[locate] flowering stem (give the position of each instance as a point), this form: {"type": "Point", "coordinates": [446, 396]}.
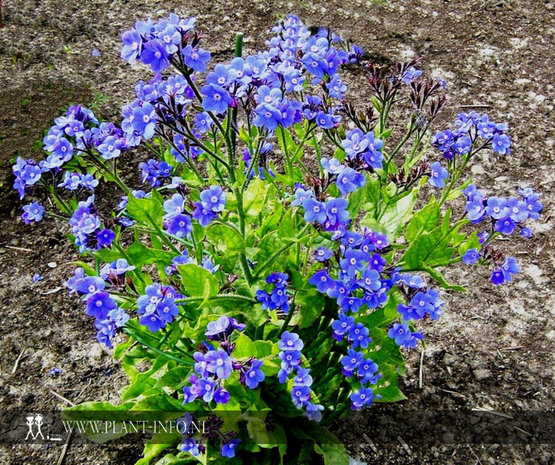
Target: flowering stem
{"type": "Point", "coordinates": [58, 200]}
{"type": "Point", "coordinates": [277, 253]}
{"type": "Point", "coordinates": [167, 355]}
{"type": "Point", "coordinates": [288, 318]}
{"type": "Point", "coordinates": [455, 178]}
{"type": "Point", "coordinates": [242, 298]}
{"type": "Point", "coordinates": [161, 234]}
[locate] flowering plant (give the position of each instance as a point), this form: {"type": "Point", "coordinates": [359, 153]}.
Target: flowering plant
{"type": "Point", "coordinates": [287, 244]}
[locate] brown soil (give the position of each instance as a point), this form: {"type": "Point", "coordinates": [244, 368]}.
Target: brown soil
{"type": "Point", "coordinates": [493, 347]}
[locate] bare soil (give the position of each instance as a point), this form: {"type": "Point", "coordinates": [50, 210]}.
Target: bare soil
{"type": "Point", "coordinates": [493, 347]}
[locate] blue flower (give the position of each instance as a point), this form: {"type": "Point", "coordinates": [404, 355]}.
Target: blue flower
{"type": "Point", "coordinates": [358, 336]}
{"type": "Point", "coordinates": [174, 206]}
{"type": "Point", "coordinates": [190, 445]}
{"type": "Point", "coordinates": [377, 262]}
{"type": "Point", "coordinates": [509, 268]}
{"type": "Point", "coordinates": [351, 361]}
{"type": "Point", "coordinates": [152, 321]}
{"type": "Point", "coordinates": [366, 372]}
{"type": "Point", "coordinates": [179, 225]}
{"type": "Point", "coordinates": [300, 395]}
{"type": "Point", "coordinates": [497, 208]}
{"type": "Point", "coordinates": [254, 375]}
{"type": "Point", "coordinates": [505, 226]}
{"type": "Point", "coordinates": [301, 195]}
{"type": "Point", "coordinates": [336, 212]}
{"type": "Point", "coordinates": [336, 88]}
{"type": "Point", "coordinates": [213, 199]}
{"type": "Point", "coordinates": [228, 449]}
{"type": "Point", "coordinates": [215, 99]}
{"type": "Point", "coordinates": [290, 359]}
{"type": "Point", "coordinates": [105, 237]}
{"type": "Point", "coordinates": [342, 326]}
{"type": "Point", "coordinates": [290, 341]}
{"type": "Point", "coordinates": [314, 211]}
{"type": "Point", "coordinates": [526, 233]}
{"type": "Point", "coordinates": [266, 116]}
{"type": "Point", "coordinates": [144, 120]}
{"type": "Point", "coordinates": [517, 210]}
{"type": "Point", "coordinates": [132, 44]}
{"type": "Point", "coordinates": [167, 310]}
{"type": "Point", "coordinates": [403, 336]}
{"type": "Point", "coordinates": [322, 254]}
{"type": "Point", "coordinates": [32, 212]}
{"type": "Point", "coordinates": [533, 205]}
{"type": "Point", "coordinates": [99, 304]}
{"type": "Point", "coordinates": [362, 398]}
{"type": "Point", "coordinates": [470, 257]}
{"type": "Point", "coordinates": [302, 378]}
{"type": "Point", "coordinates": [119, 317]}
{"type": "Point", "coordinates": [501, 143]}
{"type": "Point", "coordinates": [438, 175]}
{"type": "Point", "coordinates": [322, 280]}
{"type": "Point", "coordinates": [353, 261]}
{"type": "Point", "coordinates": [410, 75]}
{"type": "Point", "coordinates": [313, 412]}
{"type": "Point", "coordinates": [154, 54]}
{"type": "Point", "coordinates": [221, 396]}
{"type": "Point", "coordinates": [349, 180]}
{"type": "Point", "coordinates": [219, 363]}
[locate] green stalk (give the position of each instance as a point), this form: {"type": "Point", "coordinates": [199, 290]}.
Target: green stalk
{"type": "Point", "coordinates": [238, 297]}
{"type": "Point", "coordinates": [167, 355]}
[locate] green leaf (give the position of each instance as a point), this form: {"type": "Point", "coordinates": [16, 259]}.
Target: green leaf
{"type": "Point", "coordinates": [121, 348]}
{"type": "Point", "coordinates": [141, 255]}
{"type": "Point", "coordinates": [175, 378]}
{"type": "Point", "coordinates": [398, 214]}
{"type": "Point", "coordinates": [423, 221]}
{"type": "Point", "coordinates": [245, 348]}
{"type": "Point", "coordinates": [255, 197]}
{"type": "Point", "coordinates": [107, 255]}
{"type": "Point", "coordinates": [152, 451]}
{"type": "Point", "coordinates": [146, 209]}
{"type": "Point", "coordinates": [311, 304]}
{"type": "Point", "coordinates": [471, 243]}
{"type": "Point", "coordinates": [197, 281]}
{"type": "Point", "coordinates": [427, 248]}
{"type": "Point", "coordinates": [226, 239]}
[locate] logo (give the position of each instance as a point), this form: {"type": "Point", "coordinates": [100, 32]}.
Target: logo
{"type": "Point", "coordinates": [32, 421]}
{"type": "Point", "coordinates": [35, 422]}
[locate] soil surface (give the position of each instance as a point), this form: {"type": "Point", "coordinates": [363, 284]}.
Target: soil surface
{"type": "Point", "coordinates": [492, 348]}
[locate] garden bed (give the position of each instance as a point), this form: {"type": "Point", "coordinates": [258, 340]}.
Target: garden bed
{"type": "Point", "coordinates": [492, 346]}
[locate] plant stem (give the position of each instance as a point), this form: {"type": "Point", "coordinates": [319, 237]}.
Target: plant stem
{"type": "Point", "coordinates": [167, 355]}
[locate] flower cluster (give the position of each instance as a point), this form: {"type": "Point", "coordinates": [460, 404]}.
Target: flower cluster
{"type": "Point", "coordinates": [363, 149]}
{"type": "Point", "coordinates": [290, 346]}
{"type": "Point", "coordinates": [358, 282]}
{"type": "Point", "coordinates": [278, 298]}
{"type": "Point", "coordinates": [74, 181]}
{"type": "Point", "coordinates": [179, 223]}
{"type": "Point", "coordinates": [155, 172]}
{"type": "Point", "coordinates": [108, 316]}
{"type": "Point", "coordinates": [155, 44]}
{"type": "Point", "coordinates": [215, 364]}
{"type": "Point", "coordinates": [331, 214]}
{"type": "Point", "coordinates": [76, 133]}
{"type": "Point", "coordinates": [506, 214]}
{"type": "Point", "coordinates": [86, 226]}
{"type": "Point", "coordinates": [157, 306]}
{"type": "Point", "coordinates": [474, 131]}
{"type": "Point", "coordinates": [366, 372]}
